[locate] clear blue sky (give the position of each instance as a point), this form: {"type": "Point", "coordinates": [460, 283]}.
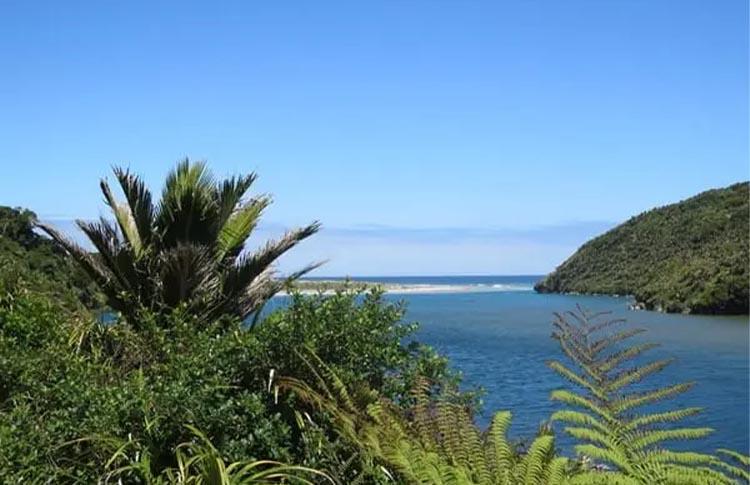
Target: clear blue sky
{"type": "Point", "coordinates": [428, 137]}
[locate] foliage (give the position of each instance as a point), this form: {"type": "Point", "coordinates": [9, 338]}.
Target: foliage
{"type": "Point", "coordinates": [687, 257]}
{"type": "Point", "coordinates": [360, 335]}
{"type": "Point", "coordinates": [65, 376]}
{"type": "Point", "coordinates": [83, 401]}
{"type": "Point", "coordinates": [605, 417]}
{"type": "Point", "coordinates": [434, 441]}
{"type": "Point", "coordinates": [362, 338]}
{"type": "Point", "coordinates": [111, 382]}
{"type": "Point", "coordinates": [736, 465]}
{"type": "Point", "coordinates": [198, 462]}
{"type": "Point", "coordinates": [30, 257]}
{"type": "Point", "coordinates": [184, 251]}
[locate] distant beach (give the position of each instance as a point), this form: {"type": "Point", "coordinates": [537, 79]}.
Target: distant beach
{"type": "Point", "coordinates": [415, 285]}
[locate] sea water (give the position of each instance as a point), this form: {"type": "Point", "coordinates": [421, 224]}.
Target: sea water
{"type": "Point", "coordinates": [497, 331]}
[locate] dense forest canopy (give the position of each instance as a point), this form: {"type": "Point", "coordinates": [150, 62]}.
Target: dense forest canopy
{"type": "Point", "coordinates": [689, 257]}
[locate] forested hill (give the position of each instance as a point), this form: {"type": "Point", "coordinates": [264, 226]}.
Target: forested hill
{"type": "Point", "coordinates": [36, 258]}
{"type": "Point", "coordinates": [689, 257]}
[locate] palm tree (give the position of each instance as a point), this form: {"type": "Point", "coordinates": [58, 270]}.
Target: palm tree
{"type": "Point", "coordinates": [186, 250]}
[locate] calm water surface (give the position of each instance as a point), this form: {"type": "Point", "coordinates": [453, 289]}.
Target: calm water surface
{"type": "Point", "coordinates": [499, 337]}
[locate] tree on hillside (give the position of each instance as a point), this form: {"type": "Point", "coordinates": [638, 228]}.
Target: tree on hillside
{"type": "Point", "coordinates": [32, 258]}
{"type": "Point", "coordinates": [184, 251]}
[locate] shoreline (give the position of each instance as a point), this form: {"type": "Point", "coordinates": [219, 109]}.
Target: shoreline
{"type": "Point", "coordinates": [328, 287]}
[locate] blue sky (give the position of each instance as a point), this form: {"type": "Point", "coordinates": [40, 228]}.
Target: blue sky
{"type": "Point", "coordinates": [429, 137]}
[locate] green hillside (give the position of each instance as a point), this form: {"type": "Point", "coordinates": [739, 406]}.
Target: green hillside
{"type": "Point", "coordinates": [689, 257]}
{"type": "Point", "coordinates": [38, 260]}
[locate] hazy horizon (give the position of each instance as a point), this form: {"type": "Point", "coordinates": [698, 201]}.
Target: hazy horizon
{"type": "Point", "coordinates": [420, 252]}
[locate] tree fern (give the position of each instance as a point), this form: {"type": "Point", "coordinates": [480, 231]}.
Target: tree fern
{"type": "Point", "coordinates": [738, 465]}
{"type": "Point", "coordinates": [435, 440]}
{"type": "Point", "coordinates": [605, 418]}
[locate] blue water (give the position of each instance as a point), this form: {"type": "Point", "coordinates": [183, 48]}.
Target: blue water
{"type": "Point", "coordinates": [500, 340]}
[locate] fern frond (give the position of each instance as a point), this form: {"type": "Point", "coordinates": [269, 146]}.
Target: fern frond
{"type": "Point", "coordinates": [607, 421]}
{"type": "Point", "coordinates": [639, 399]}
{"type": "Point", "coordinates": [679, 457]}
{"type": "Point", "coordinates": [741, 472]}
{"type": "Point", "coordinates": [423, 425]}
{"type": "Point", "coordinates": [504, 455]}
{"type": "Point", "coordinates": [685, 475]}
{"type": "Point", "coordinates": [579, 418]}
{"type": "Point", "coordinates": [664, 417]}
{"type": "Point", "coordinates": [605, 323]}
{"type": "Point", "coordinates": [557, 471]}
{"type": "Point", "coordinates": [578, 354]}
{"type": "Point", "coordinates": [628, 353]}
{"type": "Point", "coordinates": [610, 340]}
{"type": "Point", "coordinates": [636, 374]}
{"type": "Point", "coordinates": [615, 457]}
{"type": "Point", "coordinates": [573, 399]}
{"type": "Point", "coordinates": [743, 459]}
{"type": "Point", "coordinates": [576, 379]}
{"type": "Point", "coordinates": [593, 436]}
{"type": "Point", "coordinates": [537, 459]}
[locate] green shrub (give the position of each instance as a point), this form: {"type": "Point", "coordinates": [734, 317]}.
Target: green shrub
{"type": "Point", "coordinates": [360, 335]}
{"type": "Point", "coordinates": [54, 394]}
{"type": "Point", "coordinates": [70, 386]}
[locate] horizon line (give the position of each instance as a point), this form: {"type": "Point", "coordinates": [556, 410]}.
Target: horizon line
{"type": "Point", "coordinates": [469, 275]}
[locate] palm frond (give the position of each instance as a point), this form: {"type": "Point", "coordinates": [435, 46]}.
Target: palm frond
{"type": "Point", "coordinates": [91, 263]}
{"type": "Point", "coordinates": [230, 193]}
{"type": "Point", "coordinates": [139, 201]}
{"type": "Point", "coordinates": [185, 251]}
{"type": "Point", "coordinates": [238, 227]}
{"type": "Point", "coordinates": [266, 256]}
{"type": "Point", "coordinates": [188, 275]}
{"type": "Point", "coordinates": [103, 235]}
{"type": "Point", "coordinates": [124, 218]}
{"type": "Point", "coordinates": [187, 210]}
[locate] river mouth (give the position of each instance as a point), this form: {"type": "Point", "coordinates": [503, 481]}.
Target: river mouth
{"type": "Point", "coordinates": [501, 341]}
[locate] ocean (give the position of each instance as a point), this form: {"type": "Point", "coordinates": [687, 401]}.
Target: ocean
{"type": "Point", "coordinates": [496, 331]}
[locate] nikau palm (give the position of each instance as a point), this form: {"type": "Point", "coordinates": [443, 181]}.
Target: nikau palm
{"type": "Point", "coordinates": [184, 251]}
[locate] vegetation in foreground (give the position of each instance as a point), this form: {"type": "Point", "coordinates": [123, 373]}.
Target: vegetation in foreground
{"type": "Point", "coordinates": [434, 439]}
{"type": "Point", "coordinates": [690, 257]}
{"type": "Point", "coordinates": [82, 400]}
{"type": "Point", "coordinates": [186, 251]}
{"type": "Point", "coordinates": [23, 251]}
{"type": "Point", "coordinates": [327, 389]}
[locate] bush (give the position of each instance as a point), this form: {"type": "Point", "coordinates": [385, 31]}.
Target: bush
{"type": "Point", "coordinates": [359, 335]}
{"type": "Point", "coordinates": [63, 405]}
{"type": "Point", "coordinates": [72, 388]}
